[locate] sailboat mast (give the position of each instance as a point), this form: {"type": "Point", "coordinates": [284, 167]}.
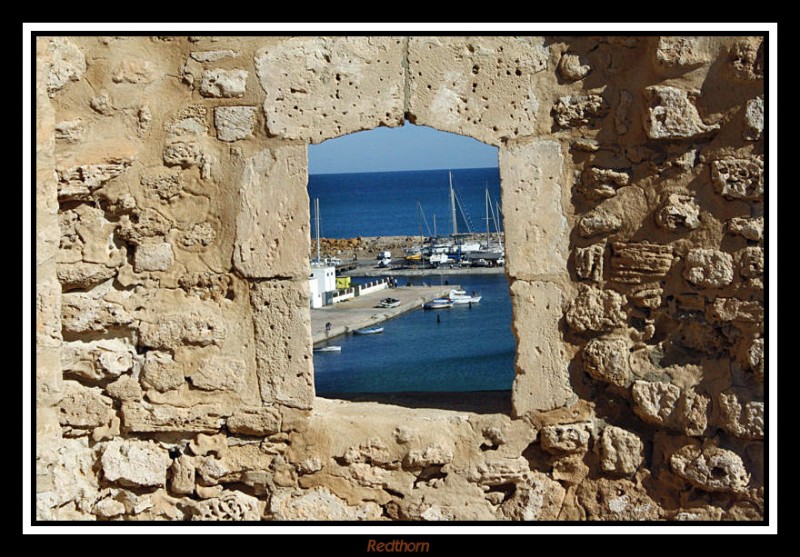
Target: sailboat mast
{"type": "Point", "coordinates": [453, 205]}
{"type": "Point", "coordinates": [316, 211]}
{"type": "Point", "coordinates": [487, 218]}
{"type": "Point", "coordinates": [419, 219]}
{"type": "Point", "coordinates": [435, 234]}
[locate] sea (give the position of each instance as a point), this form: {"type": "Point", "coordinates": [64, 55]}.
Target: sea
{"type": "Point", "coordinates": [465, 348]}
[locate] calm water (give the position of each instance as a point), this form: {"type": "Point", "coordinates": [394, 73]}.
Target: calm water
{"type": "Point", "coordinates": [470, 349]}
{"type": "Point", "coordinates": [385, 203]}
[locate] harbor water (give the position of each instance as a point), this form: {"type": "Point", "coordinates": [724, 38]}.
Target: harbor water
{"type": "Point", "coordinates": [467, 348]}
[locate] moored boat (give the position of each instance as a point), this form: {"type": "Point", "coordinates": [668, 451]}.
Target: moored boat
{"type": "Point", "coordinates": [389, 303]}
{"type": "Point", "coordinates": [368, 331]}
{"type": "Point", "coordinates": [439, 303]}
{"type": "Point", "coordinates": [461, 297]}
{"type": "Point", "coordinates": [328, 349]}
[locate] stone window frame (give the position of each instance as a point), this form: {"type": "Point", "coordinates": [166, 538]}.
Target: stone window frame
{"type": "Point", "coordinates": [272, 257]}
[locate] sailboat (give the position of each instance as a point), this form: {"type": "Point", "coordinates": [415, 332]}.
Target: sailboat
{"type": "Point", "coordinates": [491, 252]}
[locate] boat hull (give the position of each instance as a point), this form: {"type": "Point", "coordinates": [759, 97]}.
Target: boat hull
{"type": "Point", "coordinates": [370, 331]}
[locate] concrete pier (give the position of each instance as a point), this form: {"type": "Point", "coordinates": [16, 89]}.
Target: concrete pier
{"type": "Point", "coordinates": [361, 312]}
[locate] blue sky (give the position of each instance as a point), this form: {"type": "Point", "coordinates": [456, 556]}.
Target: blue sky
{"type": "Point", "coordinates": [408, 147]}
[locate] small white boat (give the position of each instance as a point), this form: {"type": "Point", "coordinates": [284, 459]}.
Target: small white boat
{"type": "Point", "coordinates": [461, 297]}
{"type": "Point", "coordinates": [328, 349]}
{"type": "Point", "coordinates": [389, 303]}
{"type": "Point", "coordinates": [439, 303]}
{"type": "Point", "coordinates": [368, 331]}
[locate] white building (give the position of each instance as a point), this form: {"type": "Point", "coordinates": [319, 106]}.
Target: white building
{"type": "Point", "coordinates": [322, 280]}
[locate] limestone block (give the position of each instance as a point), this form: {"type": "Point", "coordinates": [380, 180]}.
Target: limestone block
{"type": "Point", "coordinates": [182, 475]}
{"type": "Point", "coordinates": [163, 186]}
{"type": "Point", "coordinates": [220, 373]}
{"type": "Point", "coordinates": [160, 372]}
{"type": "Point", "coordinates": [79, 182]}
{"type": "Point", "coordinates": [732, 309]}
{"type": "Point", "coordinates": [755, 358]}
{"type": "Point", "coordinates": [261, 421]}
{"type": "Point", "coordinates": [710, 468]}
{"type": "Point", "coordinates": [602, 183]}
{"type": "Point", "coordinates": [573, 67]}
{"type": "Point", "coordinates": [579, 110]}
{"type": "Point", "coordinates": [223, 83]}
{"type": "Point", "coordinates": [451, 80]}
{"type": "Point", "coordinates": [639, 262]}
{"type": "Point", "coordinates": [648, 295]}
{"type": "Point", "coordinates": [741, 417]}
{"type": "Point", "coordinates": [186, 154]}
{"type": "Point", "coordinates": [134, 71]}
{"type": "Point", "coordinates": [599, 221]}
{"type": "Point", "coordinates": [213, 55]}
{"type": "Point", "coordinates": [655, 402]}
{"type": "Point", "coordinates": [234, 122]}
{"type": "Point", "coordinates": [692, 416]}
{"type": "Point", "coordinates": [373, 452]}
{"type": "Point", "coordinates": [197, 325]}
{"type": "Point", "coordinates": [283, 341]}
{"type": "Point", "coordinates": [621, 451]}
{"type": "Point", "coordinates": [319, 504]}
{"type": "Point", "coordinates": [232, 505]}
{"type": "Point", "coordinates": [566, 438]}
{"type": "Point", "coordinates": [671, 114]}
{"type": "Point", "coordinates": [589, 262]}
{"type": "Point", "coordinates": [746, 59]}
{"type": "Point", "coordinates": [153, 256]}
{"type": "Point", "coordinates": [132, 462]}
{"type": "Point", "coordinates": [751, 262]}
{"type": "Point", "coordinates": [144, 225]}
{"type": "Point", "coordinates": [531, 193]}
{"type": "Point", "coordinates": [622, 116]}
{"type": "Point", "coordinates": [618, 500]}
{"type": "Point", "coordinates": [539, 498]}
{"type": "Point", "coordinates": [749, 228]}
{"type": "Point", "coordinates": [83, 312]}
{"type": "Point", "coordinates": [203, 445]}
{"type": "Point", "coordinates": [272, 227]}
{"type": "Point", "coordinates": [754, 119]}
{"type": "Point", "coordinates": [708, 268]}
{"type": "Point", "coordinates": [144, 117]}
{"type": "Point", "coordinates": [142, 417]}
{"type": "Point", "coordinates": [607, 359]}
{"type": "Point", "coordinates": [65, 480]}
{"type": "Point", "coordinates": [83, 407]}
{"type": "Point", "coordinates": [83, 275]}
{"type": "Point", "coordinates": [101, 104]}
{"type": "Point", "coordinates": [493, 471]}
{"type": "Point", "coordinates": [67, 63]}
{"type": "Point", "coordinates": [737, 178]}
{"type": "Point", "coordinates": [678, 210]}
{"type": "Point", "coordinates": [596, 310]}
{"type": "Point", "coordinates": [322, 87]}
{"type": "Point", "coordinates": [207, 286]}
{"type": "Point", "coordinates": [200, 236]}
{"type": "Point", "coordinates": [125, 388]}
{"type": "Point", "coordinates": [542, 381]}
{"type": "Point", "coordinates": [70, 131]}
{"type": "Point", "coordinates": [432, 455]}
{"type": "Point", "coordinates": [108, 508]}
{"type": "Point", "coordinates": [98, 359]}
{"type": "Point", "coordinates": [681, 52]}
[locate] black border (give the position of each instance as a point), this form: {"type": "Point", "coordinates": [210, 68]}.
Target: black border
{"type": "Point", "coordinates": [351, 539]}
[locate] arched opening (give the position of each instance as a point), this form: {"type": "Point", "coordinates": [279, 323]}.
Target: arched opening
{"type": "Point", "coordinates": [409, 218]}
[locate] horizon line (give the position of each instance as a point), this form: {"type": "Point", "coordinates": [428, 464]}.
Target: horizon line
{"type": "Point", "coordinates": [403, 170]}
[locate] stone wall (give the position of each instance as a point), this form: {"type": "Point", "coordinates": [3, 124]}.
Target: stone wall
{"type": "Point", "coordinates": [174, 374]}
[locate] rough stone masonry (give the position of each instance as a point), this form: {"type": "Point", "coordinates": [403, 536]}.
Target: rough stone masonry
{"type": "Point", "coordinates": [174, 373]}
